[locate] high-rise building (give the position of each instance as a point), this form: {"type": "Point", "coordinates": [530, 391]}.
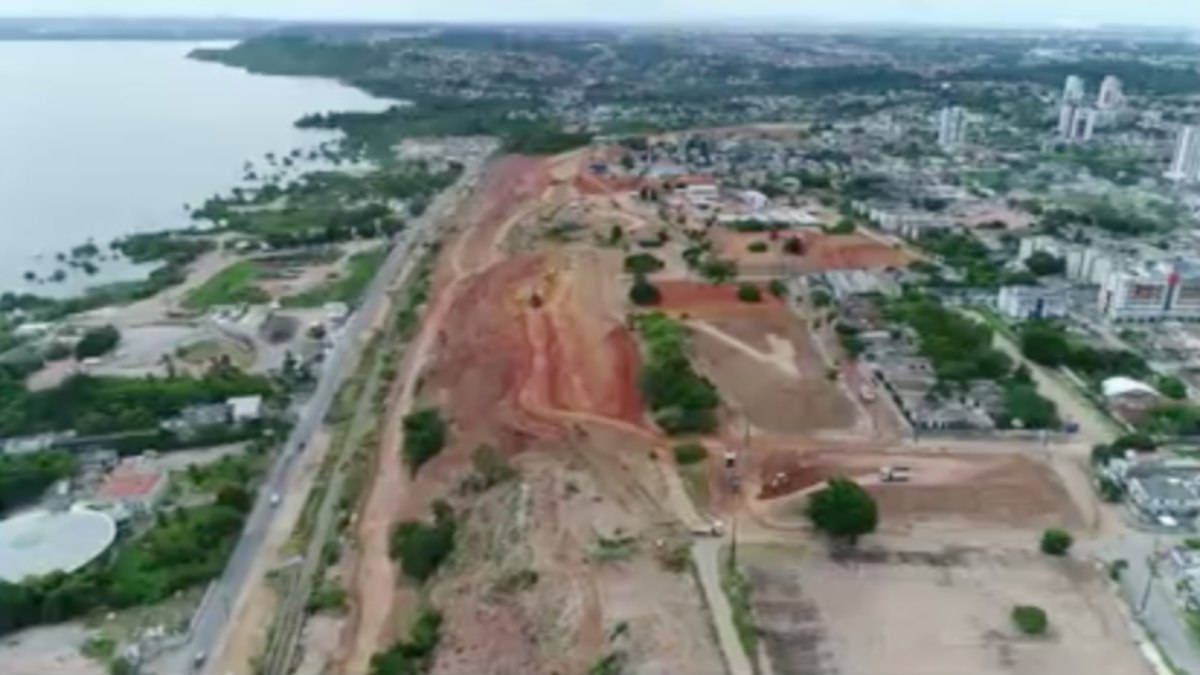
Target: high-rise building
{"type": "Point", "coordinates": [1185, 165]}
{"type": "Point", "coordinates": [1110, 96]}
{"type": "Point", "coordinates": [1076, 124]}
{"type": "Point", "coordinates": [1073, 90]}
{"type": "Point", "coordinates": [952, 126]}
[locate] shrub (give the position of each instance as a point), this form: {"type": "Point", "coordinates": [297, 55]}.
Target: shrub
{"type": "Point", "coordinates": [793, 246]}
{"type": "Point", "coordinates": [778, 288]}
{"type": "Point", "coordinates": [424, 437]}
{"type": "Point", "coordinates": [420, 547]}
{"type": "Point", "coordinates": [642, 263]}
{"type": "Point", "coordinates": [749, 293]}
{"type": "Point", "coordinates": [97, 342]}
{"type": "Point", "coordinates": [1030, 620]}
{"type": "Point", "coordinates": [757, 247]}
{"type": "Point", "coordinates": [1056, 542]}
{"type": "Point", "coordinates": [690, 453]}
{"type": "Point", "coordinates": [643, 293]}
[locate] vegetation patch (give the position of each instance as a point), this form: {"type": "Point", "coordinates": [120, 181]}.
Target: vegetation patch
{"type": "Point", "coordinates": [1056, 542]}
{"type": "Point", "coordinates": [424, 437]}
{"type": "Point", "coordinates": [349, 287]}
{"type": "Point", "coordinates": [690, 453]}
{"type": "Point", "coordinates": [413, 656]}
{"type": "Point", "coordinates": [235, 285]}
{"type": "Point", "coordinates": [682, 400]}
{"type": "Point", "coordinates": [97, 342]}
{"type": "Point", "coordinates": [421, 547]}
{"type": "Point", "coordinates": [738, 591]}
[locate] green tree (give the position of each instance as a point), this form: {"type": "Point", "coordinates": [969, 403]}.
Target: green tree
{"type": "Point", "coordinates": [1030, 620]}
{"type": "Point", "coordinates": [642, 263]}
{"type": "Point", "coordinates": [97, 342]}
{"type": "Point", "coordinates": [749, 293]}
{"type": "Point", "coordinates": [421, 547]}
{"type": "Point", "coordinates": [1056, 542]}
{"type": "Point", "coordinates": [424, 437]}
{"type": "Point", "coordinates": [1172, 387]}
{"type": "Point", "coordinates": [719, 271]}
{"type": "Point", "coordinates": [643, 293]}
{"type": "Point", "coordinates": [1044, 343]}
{"type": "Point", "coordinates": [778, 288]}
{"type": "Point", "coordinates": [843, 510]}
{"type": "Point", "coordinates": [1044, 264]}
{"type": "Point", "coordinates": [793, 246]}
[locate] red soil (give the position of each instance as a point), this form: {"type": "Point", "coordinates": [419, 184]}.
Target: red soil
{"type": "Point", "coordinates": [851, 252]}
{"type": "Point", "coordinates": [513, 371]}
{"type": "Point", "coordinates": [699, 298]}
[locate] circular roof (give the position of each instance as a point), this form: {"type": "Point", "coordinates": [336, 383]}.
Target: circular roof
{"type": "Point", "coordinates": [35, 543]}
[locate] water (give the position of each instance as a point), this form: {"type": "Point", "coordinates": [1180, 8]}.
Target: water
{"type": "Point", "coordinates": [101, 139]}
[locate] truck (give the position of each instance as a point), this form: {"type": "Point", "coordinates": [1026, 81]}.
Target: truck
{"type": "Point", "coordinates": [894, 474]}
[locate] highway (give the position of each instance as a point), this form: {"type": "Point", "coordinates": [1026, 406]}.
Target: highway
{"type": "Point", "coordinates": [215, 612]}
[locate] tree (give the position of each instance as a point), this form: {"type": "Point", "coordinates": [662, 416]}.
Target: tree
{"type": "Point", "coordinates": [1172, 387]}
{"type": "Point", "coordinates": [643, 293]}
{"type": "Point", "coordinates": [690, 453]}
{"type": "Point", "coordinates": [235, 498]}
{"type": "Point", "coordinates": [97, 342]}
{"type": "Point", "coordinates": [778, 288]}
{"type": "Point", "coordinates": [758, 247]}
{"type": "Point", "coordinates": [718, 271]}
{"type": "Point", "coordinates": [1044, 264]}
{"type": "Point", "coordinates": [749, 293]}
{"type": "Point", "coordinates": [424, 437]}
{"type": "Point", "coordinates": [420, 547]}
{"type": "Point", "coordinates": [1044, 343]}
{"type": "Point", "coordinates": [793, 246]}
{"type": "Point", "coordinates": [1056, 542]}
{"type": "Point", "coordinates": [642, 263]}
{"type": "Point", "coordinates": [1030, 620]}
{"type": "Point", "coordinates": [843, 510]}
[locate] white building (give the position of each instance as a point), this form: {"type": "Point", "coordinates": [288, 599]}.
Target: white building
{"type": "Point", "coordinates": [754, 200]}
{"type": "Point", "coordinates": [1110, 97]}
{"type": "Point", "coordinates": [1185, 165]}
{"type": "Point", "coordinates": [952, 127]}
{"type": "Point", "coordinates": [1073, 90]}
{"type": "Point", "coordinates": [1021, 303]}
{"type": "Point", "coordinates": [1156, 291]}
{"type": "Point", "coordinates": [1076, 123]}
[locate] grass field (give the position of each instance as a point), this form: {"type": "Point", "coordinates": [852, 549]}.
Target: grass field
{"type": "Point", "coordinates": [349, 285]}
{"type": "Point", "coordinates": [233, 285]}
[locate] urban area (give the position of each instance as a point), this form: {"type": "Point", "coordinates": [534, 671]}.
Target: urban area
{"type": "Point", "coordinates": [639, 351]}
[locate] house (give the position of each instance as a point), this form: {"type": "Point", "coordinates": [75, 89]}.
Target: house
{"type": "Point", "coordinates": [134, 484]}
{"type": "Point", "coordinates": [244, 409]}
{"type": "Point", "coordinates": [1164, 489]}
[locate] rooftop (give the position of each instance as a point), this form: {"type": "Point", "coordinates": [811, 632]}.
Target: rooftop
{"type": "Point", "coordinates": [130, 480]}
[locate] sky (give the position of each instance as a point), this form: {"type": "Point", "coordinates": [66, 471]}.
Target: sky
{"type": "Point", "coordinates": [1064, 13]}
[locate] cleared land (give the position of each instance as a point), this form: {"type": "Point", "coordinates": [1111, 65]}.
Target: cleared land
{"type": "Point", "coordinates": [822, 252]}
{"type": "Point", "coordinates": [858, 615]}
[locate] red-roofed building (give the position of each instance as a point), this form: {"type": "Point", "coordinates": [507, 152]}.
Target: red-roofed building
{"type": "Point", "coordinates": [134, 484]}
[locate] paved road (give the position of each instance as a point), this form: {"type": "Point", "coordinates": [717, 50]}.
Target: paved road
{"type": "Point", "coordinates": [215, 613]}
{"type": "Point", "coordinates": [1160, 613]}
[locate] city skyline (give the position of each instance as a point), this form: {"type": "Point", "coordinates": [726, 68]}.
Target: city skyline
{"type": "Point", "coordinates": [1018, 13]}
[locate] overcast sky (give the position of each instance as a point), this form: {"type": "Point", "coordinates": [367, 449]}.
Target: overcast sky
{"type": "Point", "coordinates": [974, 12]}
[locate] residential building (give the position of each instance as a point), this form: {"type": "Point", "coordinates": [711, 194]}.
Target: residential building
{"type": "Point", "coordinates": [1185, 165]}
{"type": "Point", "coordinates": [1110, 97]}
{"type": "Point", "coordinates": [1021, 303]}
{"type": "Point", "coordinates": [952, 127]}
{"type": "Point", "coordinates": [1155, 291]}
{"type": "Point", "coordinates": [1073, 90]}
{"type": "Point", "coordinates": [1161, 494]}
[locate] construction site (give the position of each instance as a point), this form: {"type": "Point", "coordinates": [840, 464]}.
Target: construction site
{"type": "Point", "coordinates": [527, 348]}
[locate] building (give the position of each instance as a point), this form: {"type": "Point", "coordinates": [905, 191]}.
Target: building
{"type": "Point", "coordinates": [754, 200]}
{"type": "Point", "coordinates": [134, 484]}
{"type": "Point", "coordinates": [244, 409]}
{"type": "Point", "coordinates": [1160, 493]}
{"type": "Point", "coordinates": [1021, 303]}
{"type": "Point", "coordinates": [952, 127]}
{"type": "Point", "coordinates": [1185, 164]}
{"type": "Point", "coordinates": [1076, 123]}
{"type": "Point", "coordinates": [1110, 97]}
{"type": "Point", "coordinates": [1073, 90]}
{"type": "Point", "coordinates": [1155, 291]}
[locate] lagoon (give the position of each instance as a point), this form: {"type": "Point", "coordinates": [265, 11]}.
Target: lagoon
{"type": "Point", "coordinates": [102, 139]}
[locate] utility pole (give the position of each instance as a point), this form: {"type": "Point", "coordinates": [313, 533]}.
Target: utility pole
{"type": "Point", "coordinates": [1152, 565]}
